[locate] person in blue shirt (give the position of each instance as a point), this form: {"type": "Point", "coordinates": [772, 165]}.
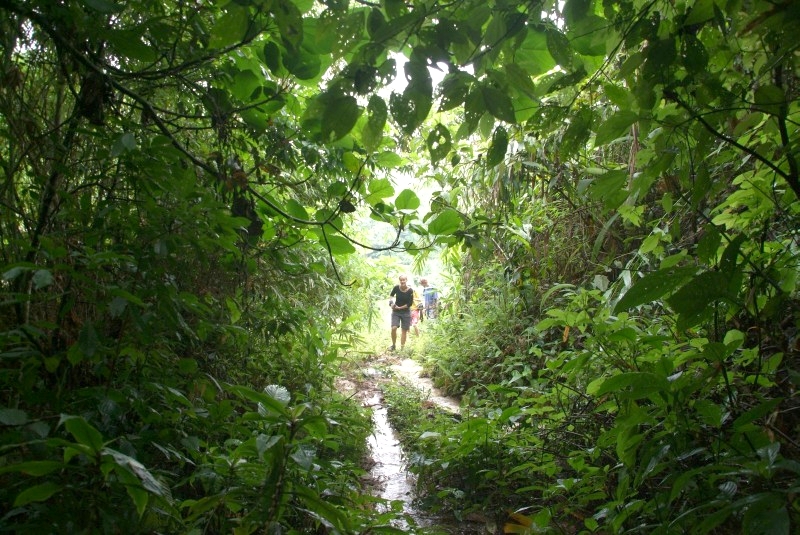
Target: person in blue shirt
{"type": "Point", "coordinates": [430, 298]}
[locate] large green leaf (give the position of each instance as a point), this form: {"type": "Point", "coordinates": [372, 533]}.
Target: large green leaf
{"type": "Point", "coordinates": [615, 127]}
{"type": "Point", "coordinates": [273, 58]}
{"type": "Point", "coordinates": [499, 104]}
{"type": "Point", "coordinates": [445, 223]}
{"type": "Point", "coordinates": [577, 133]}
{"type": "Point", "coordinates": [694, 54]}
{"type": "Point", "coordinates": [589, 34]}
{"type": "Point", "coordinates": [403, 112]}
{"type": "Point", "coordinates": [575, 10]}
{"type": "Point", "coordinates": [296, 210]}
{"type": "Point", "coordinates": [474, 109]}
{"type": "Point", "coordinates": [245, 85]}
{"type": "Point", "coordinates": [630, 385]}
{"type": "Point", "coordinates": [694, 301]}
{"type": "Point", "coordinates": [87, 346]}
{"type": "Point", "coordinates": [453, 89]}
{"type": "Point", "coordinates": [497, 150]}
{"type": "Point", "coordinates": [133, 486]}
{"type": "Point", "coordinates": [37, 493]}
{"type": "Point", "coordinates": [761, 410]}
{"type": "Point", "coordinates": [654, 286]}
{"type": "Point", "coordinates": [407, 200]}
{"type": "Point", "coordinates": [559, 47]}
{"type": "Point", "coordinates": [13, 417]}
{"type": "Point", "coordinates": [104, 6]}
{"type": "Point", "coordinates": [129, 44]}
{"type": "Point", "coordinates": [33, 468]}
{"type": "Point", "coordinates": [609, 188]}
{"type": "Point", "coordinates": [770, 99]}
{"type": "Point", "coordinates": [303, 64]}
{"type": "Point", "coordinates": [701, 11]}
{"type": "Point", "coordinates": [728, 264]}
{"type": "Point", "coordinates": [562, 80]}
{"type": "Point", "coordinates": [389, 159]}
{"type": "Point", "coordinates": [323, 510]}
{"type": "Point", "coordinates": [290, 22]}
{"type": "Point", "coordinates": [83, 432]}
{"type": "Point", "coordinates": [337, 245]}
{"type": "Point", "coordinates": [660, 55]}
{"type": "Point", "coordinates": [339, 117]}
{"type": "Point", "coordinates": [410, 108]}
{"type": "Point", "coordinates": [618, 95]}
{"type": "Point", "coordinates": [534, 55]}
{"type": "Point", "coordinates": [519, 80]}
{"type": "Point", "coordinates": [708, 245]}
{"type": "Point", "coordinates": [630, 65]}
{"type": "Point", "coordinates": [273, 400]}
{"type": "Point", "coordinates": [230, 28]}
{"type": "Point", "coordinates": [769, 518]}
{"type": "Point", "coordinates": [376, 22]}
{"type": "Point", "coordinates": [378, 189]}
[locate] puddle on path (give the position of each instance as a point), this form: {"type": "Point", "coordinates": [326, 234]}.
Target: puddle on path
{"type": "Point", "coordinates": [390, 470]}
{"type": "Point", "coordinates": [396, 483]}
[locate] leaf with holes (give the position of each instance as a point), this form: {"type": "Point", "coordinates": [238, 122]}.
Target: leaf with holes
{"type": "Point", "coordinates": [439, 143]}
{"type": "Point", "coordinates": [372, 133]}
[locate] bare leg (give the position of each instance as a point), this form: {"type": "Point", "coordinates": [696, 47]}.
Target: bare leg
{"type": "Point", "coordinates": [403, 335]}
{"type": "Point", "coordinates": [394, 336]}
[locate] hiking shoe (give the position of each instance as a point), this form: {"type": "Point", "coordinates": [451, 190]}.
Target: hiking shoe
{"type": "Point", "coordinates": [391, 348]}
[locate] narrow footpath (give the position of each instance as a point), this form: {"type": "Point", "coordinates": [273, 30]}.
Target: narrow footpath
{"type": "Point", "coordinates": [388, 473]}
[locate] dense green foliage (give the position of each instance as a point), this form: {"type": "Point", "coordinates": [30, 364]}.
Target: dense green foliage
{"type": "Point", "coordinates": [625, 323]}
{"type": "Point", "coordinates": [168, 343]}
{"type": "Point", "coordinates": [617, 190]}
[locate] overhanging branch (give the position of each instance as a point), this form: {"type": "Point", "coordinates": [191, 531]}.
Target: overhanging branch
{"type": "Point", "coordinates": [790, 178]}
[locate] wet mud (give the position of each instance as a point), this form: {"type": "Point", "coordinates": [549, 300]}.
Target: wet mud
{"type": "Point", "coordinates": [389, 473]}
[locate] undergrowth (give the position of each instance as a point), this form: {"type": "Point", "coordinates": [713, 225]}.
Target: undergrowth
{"type": "Point", "coordinates": [597, 422]}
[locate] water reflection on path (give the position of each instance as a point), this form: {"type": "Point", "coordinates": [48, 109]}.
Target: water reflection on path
{"type": "Point", "coordinates": [389, 470]}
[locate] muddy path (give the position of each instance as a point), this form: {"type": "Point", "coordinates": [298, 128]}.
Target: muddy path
{"type": "Point", "coordinates": [389, 477]}
{"type": "Point", "coordinates": [412, 371]}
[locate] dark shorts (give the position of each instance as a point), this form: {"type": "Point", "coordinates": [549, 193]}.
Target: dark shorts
{"type": "Point", "coordinates": [402, 319]}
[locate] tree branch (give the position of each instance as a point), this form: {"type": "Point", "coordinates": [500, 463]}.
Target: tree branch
{"type": "Point", "coordinates": [792, 180]}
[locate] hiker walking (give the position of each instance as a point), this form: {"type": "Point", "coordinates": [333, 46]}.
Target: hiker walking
{"type": "Point", "coordinates": [430, 298]}
{"type": "Point", "coordinates": [401, 300]}
{"type": "Point", "coordinates": [416, 313]}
